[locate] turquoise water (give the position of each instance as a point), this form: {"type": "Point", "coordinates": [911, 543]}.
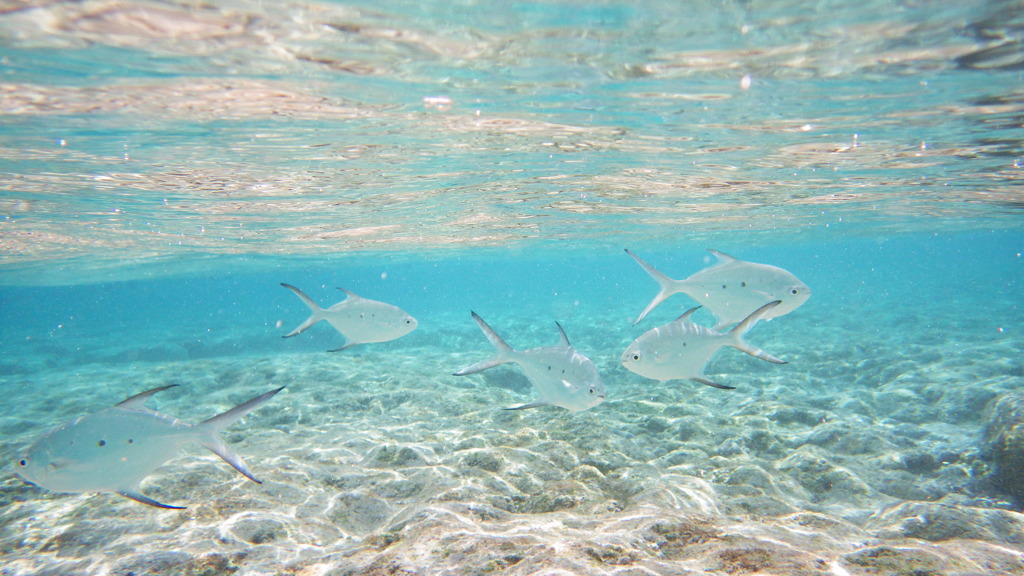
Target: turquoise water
{"type": "Point", "coordinates": [166, 166]}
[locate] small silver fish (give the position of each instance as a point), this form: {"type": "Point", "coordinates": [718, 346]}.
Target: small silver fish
{"type": "Point", "coordinates": [114, 449]}
{"type": "Point", "coordinates": [563, 377]}
{"type": "Point", "coordinates": [360, 320]}
{"type": "Point", "coordinates": [731, 289]}
{"type": "Point", "coordinates": [682, 349]}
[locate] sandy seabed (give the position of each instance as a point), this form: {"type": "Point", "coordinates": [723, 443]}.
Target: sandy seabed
{"type": "Point", "coordinates": [858, 457]}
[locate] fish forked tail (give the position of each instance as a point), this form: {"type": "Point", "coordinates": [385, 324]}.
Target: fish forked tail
{"type": "Point", "coordinates": [315, 317]}
{"type": "Point", "coordinates": [209, 432]}
{"type": "Point", "coordinates": [743, 327]}
{"type": "Point", "coordinates": [667, 286]}
{"type": "Point", "coordinates": [503, 353]}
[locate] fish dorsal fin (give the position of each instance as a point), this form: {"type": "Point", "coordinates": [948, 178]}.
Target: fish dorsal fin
{"type": "Point", "coordinates": [722, 257]}
{"type": "Point", "coordinates": [561, 334]}
{"type": "Point", "coordinates": [686, 315]}
{"type": "Point", "coordinates": [137, 402]}
{"type": "Point", "coordinates": [351, 295]}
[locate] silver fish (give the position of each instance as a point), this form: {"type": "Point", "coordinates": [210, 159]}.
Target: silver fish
{"type": "Point", "coordinates": [682, 349]}
{"type": "Point", "coordinates": [731, 289]}
{"type": "Point", "coordinates": [360, 320]}
{"type": "Point", "coordinates": [563, 377]}
{"type": "Point", "coordinates": [114, 449]}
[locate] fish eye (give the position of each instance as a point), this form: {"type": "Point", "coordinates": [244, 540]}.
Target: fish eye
{"type": "Point", "coordinates": [592, 390]}
{"type": "Point", "coordinates": [23, 463]}
{"type": "Point", "coordinates": [636, 357]}
{"type": "Point", "coordinates": [794, 291]}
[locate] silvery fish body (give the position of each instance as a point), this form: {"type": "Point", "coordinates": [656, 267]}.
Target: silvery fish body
{"type": "Point", "coordinates": [562, 376]}
{"type": "Point", "coordinates": [732, 289]}
{"type": "Point", "coordinates": [114, 449]}
{"type": "Point", "coordinates": [360, 320]}
{"type": "Point", "coordinates": [682, 349]}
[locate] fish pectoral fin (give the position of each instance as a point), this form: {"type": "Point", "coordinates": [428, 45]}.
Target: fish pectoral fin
{"type": "Point", "coordinates": [707, 382]}
{"type": "Point", "coordinates": [536, 404]}
{"type": "Point", "coordinates": [139, 497]}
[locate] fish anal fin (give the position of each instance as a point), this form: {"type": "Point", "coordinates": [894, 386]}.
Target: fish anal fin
{"type": "Point", "coordinates": [536, 404]}
{"type": "Point", "coordinates": [137, 402]}
{"type": "Point", "coordinates": [142, 498]}
{"type": "Point", "coordinates": [347, 345]}
{"type": "Point", "coordinates": [707, 382]}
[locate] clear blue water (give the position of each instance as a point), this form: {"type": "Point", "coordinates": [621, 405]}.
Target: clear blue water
{"type": "Point", "coordinates": [165, 166]}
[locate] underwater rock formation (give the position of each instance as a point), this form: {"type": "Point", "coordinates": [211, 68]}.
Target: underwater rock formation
{"type": "Point", "coordinates": [1004, 436]}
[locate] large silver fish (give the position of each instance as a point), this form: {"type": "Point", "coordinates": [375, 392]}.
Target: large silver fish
{"type": "Point", "coordinates": [682, 349]}
{"type": "Point", "coordinates": [563, 377]}
{"type": "Point", "coordinates": [360, 320]}
{"type": "Point", "coordinates": [114, 449]}
{"type": "Point", "coordinates": [731, 289]}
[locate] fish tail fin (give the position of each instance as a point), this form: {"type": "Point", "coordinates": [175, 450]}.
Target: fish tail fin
{"type": "Point", "coordinates": [668, 286]}
{"type": "Point", "coordinates": [209, 429]}
{"type": "Point", "coordinates": [503, 355]}
{"type": "Point", "coordinates": [315, 317]}
{"type": "Point", "coordinates": [142, 498]}
{"type": "Point", "coordinates": [744, 326]}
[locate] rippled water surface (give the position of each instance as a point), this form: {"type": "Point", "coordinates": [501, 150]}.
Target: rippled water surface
{"type": "Point", "coordinates": [156, 130]}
